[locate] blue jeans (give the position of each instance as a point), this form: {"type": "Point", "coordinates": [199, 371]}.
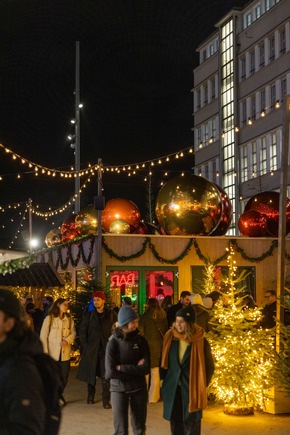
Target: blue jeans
{"type": "Point", "coordinates": [138, 406]}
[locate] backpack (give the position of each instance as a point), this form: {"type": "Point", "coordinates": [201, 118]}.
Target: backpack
{"type": "Point", "coordinates": [53, 382]}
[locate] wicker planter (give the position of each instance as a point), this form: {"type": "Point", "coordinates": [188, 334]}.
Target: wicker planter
{"type": "Point", "coordinates": [238, 410]}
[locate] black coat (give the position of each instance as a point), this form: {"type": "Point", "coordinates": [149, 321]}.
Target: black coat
{"type": "Point", "coordinates": [22, 409]}
{"type": "Point", "coordinates": [171, 313]}
{"type": "Point", "coordinates": [153, 330]}
{"type": "Point", "coordinates": [94, 335]}
{"type": "Point", "coordinates": [127, 350]}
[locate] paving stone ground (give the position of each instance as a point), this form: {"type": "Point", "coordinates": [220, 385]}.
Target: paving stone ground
{"type": "Point", "coordinates": [81, 419]}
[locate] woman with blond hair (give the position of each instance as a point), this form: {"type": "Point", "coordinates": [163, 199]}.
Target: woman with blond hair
{"type": "Point", "coordinates": [57, 335]}
{"type": "Point", "coordinates": [188, 366]}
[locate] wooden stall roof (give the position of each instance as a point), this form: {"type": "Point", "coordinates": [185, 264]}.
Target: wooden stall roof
{"type": "Point", "coordinates": [37, 275]}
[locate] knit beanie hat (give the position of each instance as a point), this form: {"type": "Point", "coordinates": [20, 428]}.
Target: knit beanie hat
{"type": "Point", "coordinates": [126, 315]}
{"type": "Point", "coordinates": [188, 313]}
{"type": "Point", "coordinates": [9, 303]}
{"type": "Point", "coordinates": [100, 295]}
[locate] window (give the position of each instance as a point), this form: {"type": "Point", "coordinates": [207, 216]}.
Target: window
{"type": "Point", "coordinates": [254, 159]}
{"type": "Point", "coordinates": [283, 87]}
{"type": "Point", "coordinates": [262, 55]}
{"type": "Point", "coordinates": [267, 5]}
{"type": "Point", "coordinates": [213, 129]}
{"type": "Point", "coordinates": [244, 163]}
{"type": "Point", "coordinates": [272, 49]}
{"type": "Point", "coordinates": [213, 89]}
{"type": "Point", "coordinates": [205, 89]}
{"type": "Point", "coordinates": [263, 99]}
{"type": "Point", "coordinates": [198, 98]}
{"type": "Point", "coordinates": [282, 41]}
{"type": "Point", "coordinates": [252, 62]}
{"type": "Point", "coordinates": [206, 133]}
{"type": "Point", "coordinates": [203, 55]}
{"type": "Point", "coordinates": [206, 171]}
{"type": "Point", "coordinates": [243, 68]}
{"type": "Point", "coordinates": [248, 19]}
{"type": "Point", "coordinates": [263, 156]}
{"type": "Point", "coordinates": [244, 113]}
{"type": "Point", "coordinates": [211, 49]}
{"type": "Point", "coordinates": [198, 138]}
{"type": "Point", "coordinates": [273, 152]}
{"type": "Point", "coordinates": [257, 12]}
{"type": "Point", "coordinates": [253, 107]}
{"type": "Point", "coordinates": [273, 96]}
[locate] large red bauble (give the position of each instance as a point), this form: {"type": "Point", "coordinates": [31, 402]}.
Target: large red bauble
{"type": "Point", "coordinates": [141, 229]}
{"type": "Point", "coordinates": [69, 235]}
{"type": "Point", "coordinates": [253, 224]}
{"type": "Point", "coordinates": [226, 216]}
{"type": "Point", "coordinates": [188, 205]}
{"type": "Point", "coordinates": [123, 209]}
{"type": "Point", "coordinates": [267, 203]}
{"type": "Point", "coordinates": [69, 224]}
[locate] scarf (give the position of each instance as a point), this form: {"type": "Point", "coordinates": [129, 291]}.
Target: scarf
{"type": "Point", "coordinates": [197, 372]}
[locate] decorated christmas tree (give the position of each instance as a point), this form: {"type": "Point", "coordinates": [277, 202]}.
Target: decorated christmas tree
{"type": "Point", "coordinates": [243, 351]}
{"type": "Point", "coordinates": [282, 372]}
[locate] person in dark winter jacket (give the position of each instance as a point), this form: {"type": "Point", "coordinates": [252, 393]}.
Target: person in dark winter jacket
{"type": "Point", "coordinates": [95, 330]}
{"type": "Point", "coordinates": [184, 301]}
{"type": "Point", "coordinates": [22, 409]}
{"type": "Point", "coordinates": [153, 324]}
{"type": "Point", "coordinates": [127, 364]}
{"type": "Point", "coordinates": [188, 367]}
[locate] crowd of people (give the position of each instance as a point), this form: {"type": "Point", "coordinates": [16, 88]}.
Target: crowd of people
{"type": "Point", "coordinates": [160, 355]}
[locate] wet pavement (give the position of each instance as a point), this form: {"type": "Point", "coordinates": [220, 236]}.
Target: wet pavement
{"type": "Point", "coordinates": [81, 419]}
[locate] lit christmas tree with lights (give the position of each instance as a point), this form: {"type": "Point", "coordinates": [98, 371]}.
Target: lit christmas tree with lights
{"type": "Point", "coordinates": [243, 352]}
{"type": "Point", "coordinates": [282, 372]}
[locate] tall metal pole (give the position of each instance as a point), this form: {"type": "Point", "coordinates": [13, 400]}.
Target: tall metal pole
{"type": "Point", "coordinates": [282, 214]}
{"type": "Point", "coordinates": [99, 206]}
{"type": "Point", "coordinates": [77, 131]}
{"type": "Point", "coordinates": [30, 224]}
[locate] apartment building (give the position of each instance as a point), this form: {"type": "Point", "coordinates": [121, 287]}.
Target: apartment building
{"type": "Point", "coordinates": [239, 95]}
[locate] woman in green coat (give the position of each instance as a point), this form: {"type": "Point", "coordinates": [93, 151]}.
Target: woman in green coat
{"type": "Point", "coordinates": [188, 366]}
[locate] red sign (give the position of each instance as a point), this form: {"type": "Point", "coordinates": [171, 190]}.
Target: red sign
{"type": "Point", "coordinates": [122, 279]}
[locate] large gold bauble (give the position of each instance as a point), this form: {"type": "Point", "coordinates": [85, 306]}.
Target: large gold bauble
{"type": "Point", "coordinates": [53, 237]}
{"type": "Point", "coordinates": [123, 209]}
{"type": "Point", "coordinates": [119, 226]}
{"type": "Point", "coordinates": [86, 221]}
{"type": "Point", "coordinates": [188, 205]}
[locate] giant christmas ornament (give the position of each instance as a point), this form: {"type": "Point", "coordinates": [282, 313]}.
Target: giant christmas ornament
{"type": "Point", "coordinates": [68, 224]}
{"type": "Point", "coordinates": [53, 237]}
{"type": "Point", "coordinates": [253, 224]}
{"type": "Point", "coordinates": [267, 203]}
{"type": "Point", "coordinates": [226, 216]}
{"type": "Point", "coordinates": [141, 229]}
{"type": "Point", "coordinates": [123, 209]}
{"type": "Point", "coordinates": [68, 229]}
{"type": "Point", "coordinates": [119, 226]}
{"type": "Point", "coordinates": [86, 221]}
{"type": "Point", "coordinates": [188, 205]}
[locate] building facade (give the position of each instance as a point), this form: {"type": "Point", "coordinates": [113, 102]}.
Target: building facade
{"type": "Point", "coordinates": [239, 94]}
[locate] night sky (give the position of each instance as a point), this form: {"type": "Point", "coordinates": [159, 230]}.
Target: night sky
{"type": "Point", "coordinates": [136, 62]}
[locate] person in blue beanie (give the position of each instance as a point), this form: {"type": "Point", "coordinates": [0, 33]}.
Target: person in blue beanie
{"type": "Point", "coordinates": [127, 363]}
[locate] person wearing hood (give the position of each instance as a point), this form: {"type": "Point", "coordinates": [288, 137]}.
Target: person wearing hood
{"type": "Point", "coordinates": [127, 363]}
{"type": "Point", "coordinates": [22, 395]}
{"type": "Point", "coordinates": [187, 365]}
{"type": "Point", "coordinates": [202, 314]}
{"type": "Point", "coordinates": [153, 325]}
